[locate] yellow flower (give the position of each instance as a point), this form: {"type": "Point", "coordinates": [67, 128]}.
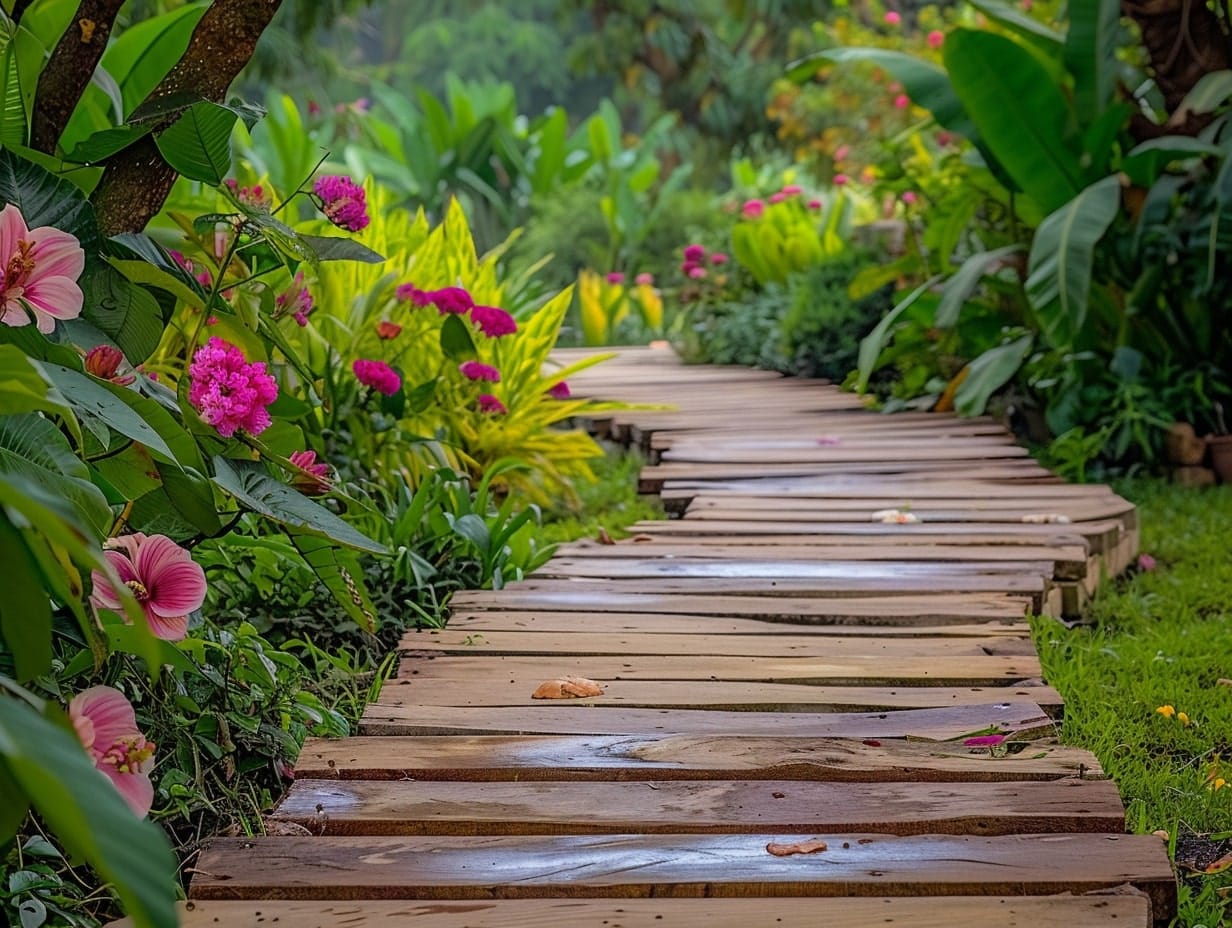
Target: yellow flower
{"type": "Point", "coordinates": [1217, 784]}
{"type": "Point", "coordinates": [1182, 718]}
{"type": "Point", "coordinates": [1166, 711]}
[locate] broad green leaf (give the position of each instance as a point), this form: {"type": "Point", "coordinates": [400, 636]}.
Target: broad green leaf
{"type": "Point", "coordinates": [1059, 268]}
{"type": "Point", "coordinates": [1147, 161]}
{"type": "Point", "coordinates": [87, 813]}
{"type": "Point", "coordinates": [28, 389]}
{"type": "Point", "coordinates": [1211, 91]}
{"type": "Point", "coordinates": [198, 144]}
{"type": "Point", "coordinates": [25, 610]}
{"type": "Point", "coordinates": [127, 314]}
{"type": "Point", "coordinates": [1021, 115]}
{"type": "Point", "coordinates": [339, 570]}
{"type": "Point", "coordinates": [1023, 24]}
{"type": "Point", "coordinates": [102, 145]}
{"type": "Point", "coordinates": [926, 84]}
{"type": "Point", "coordinates": [989, 373]}
{"type": "Point", "coordinates": [1090, 54]}
{"type": "Point", "coordinates": [32, 447]}
{"type": "Point", "coordinates": [962, 284]}
{"type": "Point", "coordinates": [337, 248]}
{"type": "Point", "coordinates": [875, 341]}
{"type": "Point", "coordinates": [456, 340]}
{"type": "Point", "coordinates": [251, 485]}
{"type": "Point", "coordinates": [142, 55]}
{"type": "Point", "coordinates": [46, 200]}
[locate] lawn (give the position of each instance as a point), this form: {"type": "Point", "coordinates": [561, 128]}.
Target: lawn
{"type": "Point", "coordinates": [1147, 684]}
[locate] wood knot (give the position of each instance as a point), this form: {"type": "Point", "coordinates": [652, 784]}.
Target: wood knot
{"type": "Point", "coordinates": [87, 27]}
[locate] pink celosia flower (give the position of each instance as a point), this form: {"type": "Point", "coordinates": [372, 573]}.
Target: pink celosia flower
{"type": "Point", "coordinates": [719, 258]}
{"type": "Point", "coordinates": [409, 293]}
{"type": "Point", "coordinates": [615, 277]}
{"type": "Point", "coordinates": [814, 204]}
{"type": "Point", "coordinates": [107, 728]}
{"type": "Point", "coordinates": [842, 152]}
{"type": "Point", "coordinates": [228, 392]}
{"type": "Point", "coordinates": [697, 273]}
{"type": "Point", "coordinates": [644, 280]}
{"type": "Point", "coordinates": [489, 403]}
{"type": "Point", "coordinates": [902, 101]}
{"type": "Point", "coordinates": [936, 38]}
{"type": "Point", "coordinates": [166, 581]}
{"type": "Point", "coordinates": [893, 18]}
{"type": "Point", "coordinates": [315, 479]}
{"type": "Point", "coordinates": [297, 301]}
{"type": "Point", "coordinates": [792, 190]}
{"type": "Point", "coordinates": [378, 375]}
{"type": "Point", "coordinates": [451, 300]}
{"type": "Point", "coordinates": [909, 197]}
{"type": "Point", "coordinates": [984, 741]}
{"type": "Point", "coordinates": [103, 362]}
{"type": "Point", "coordinates": [386, 330]}
{"type": "Point", "coordinates": [841, 180]}
{"type": "Point", "coordinates": [944, 138]}
{"type": "Point", "coordinates": [777, 197]}
{"type": "Point", "coordinates": [560, 391]}
{"type": "Point", "coordinates": [1146, 562]}
{"type": "Point", "coordinates": [38, 273]}
{"type": "Point", "coordinates": [342, 201]}
{"type": "Point", "coordinates": [493, 321]}
{"type": "Point", "coordinates": [695, 253]}
{"type": "Point", "coordinates": [686, 267]}
{"type": "Point", "coordinates": [474, 370]}
{"type": "Point", "coordinates": [753, 209]}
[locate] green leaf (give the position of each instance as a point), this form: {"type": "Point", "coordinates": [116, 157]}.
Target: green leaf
{"type": "Point", "coordinates": [127, 314]}
{"type": "Point", "coordinates": [198, 144]}
{"type": "Point", "coordinates": [962, 284]}
{"type": "Point", "coordinates": [1020, 23]}
{"type": "Point", "coordinates": [142, 55]}
{"type": "Point", "coordinates": [251, 484]}
{"type": "Point", "coordinates": [46, 200]}
{"type": "Point", "coordinates": [32, 447]}
{"type": "Point", "coordinates": [1146, 162]}
{"type": "Point", "coordinates": [875, 341]}
{"type": "Point", "coordinates": [1211, 92]}
{"type": "Point", "coordinates": [14, 804]}
{"type": "Point", "coordinates": [1090, 54]}
{"type": "Point", "coordinates": [87, 813]}
{"type": "Point", "coordinates": [1059, 269]}
{"type": "Point", "coordinates": [25, 610]}
{"type": "Point", "coordinates": [340, 572]}
{"type": "Point", "coordinates": [456, 340]}
{"type": "Point", "coordinates": [988, 373]}
{"type": "Point", "coordinates": [28, 389]}
{"type": "Point", "coordinates": [926, 84]}
{"type": "Point", "coordinates": [105, 143]}
{"type": "Point", "coordinates": [1020, 113]}
{"type": "Point", "coordinates": [337, 248]}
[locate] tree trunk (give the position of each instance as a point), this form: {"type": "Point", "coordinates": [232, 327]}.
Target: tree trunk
{"type": "Point", "coordinates": [138, 179]}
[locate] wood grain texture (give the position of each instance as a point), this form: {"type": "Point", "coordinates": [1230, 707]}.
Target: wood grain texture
{"type": "Point", "coordinates": [687, 757]}
{"type": "Point", "coordinates": [1127, 910]}
{"type": "Point", "coordinates": [689, 866]}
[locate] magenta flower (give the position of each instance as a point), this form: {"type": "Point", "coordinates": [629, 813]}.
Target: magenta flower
{"type": "Point", "coordinates": [451, 300]}
{"type": "Point", "coordinates": [777, 197]}
{"type": "Point", "coordinates": [493, 321]}
{"type": "Point", "coordinates": [560, 391]}
{"type": "Point", "coordinates": [107, 728]}
{"type": "Point", "coordinates": [697, 273]}
{"type": "Point", "coordinates": [792, 190]}
{"type": "Point", "coordinates": [892, 18]}
{"type": "Point", "coordinates": [984, 741]}
{"type": "Point", "coordinates": [473, 370]}
{"type": "Point", "coordinates": [167, 583]}
{"type": "Point", "coordinates": [944, 138]}
{"type": "Point", "coordinates": [1146, 562]}
{"type": "Point", "coordinates": [409, 293]}
{"type": "Point", "coordinates": [378, 375]}
{"type": "Point", "coordinates": [103, 362]}
{"type": "Point", "coordinates": [342, 201]}
{"type": "Point", "coordinates": [909, 197]}
{"type": "Point", "coordinates": [936, 38]}
{"type": "Point", "coordinates": [842, 152]}
{"type": "Point", "coordinates": [902, 101]}
{"type": "Point", "coordinates": [814, 204]}
{"type": "Point", "coordinates": [841, 180]}
{"type": "Point", "coordinates": [38, 273]}
{"type": "Point", "coordinates": [315, 479]}
{"type": "Point", "coordinates": [753, 209]}
{"type": "Point", "coordinates": [695, 253]}
{"type": "Point", "coordinates": [718, 258]}
{"type": "Point", "coordinates": [490, 404]}
{"type": "Point", "coordinates": [297, 301]}
{"type": "Point", "coordinates": [228, 392]}
{"type": "Point", "coordinates": [615, 278]}
{"type": "Point", "coordinates": [644, 280]}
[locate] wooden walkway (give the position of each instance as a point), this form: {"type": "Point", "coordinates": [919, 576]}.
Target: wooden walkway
{"type": "Point", "coordinates": [781, 671]}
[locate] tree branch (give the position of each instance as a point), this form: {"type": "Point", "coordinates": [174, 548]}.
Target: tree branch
{"type": "Point", "coordinates": [69, 69]}
{"type": "Point", "coordinates": [138, 179]}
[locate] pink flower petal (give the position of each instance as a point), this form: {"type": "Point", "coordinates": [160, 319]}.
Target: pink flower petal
{"type": "Point", "coordinates": [110, 715]}
{"type": "Point", "coordinates": [57, 297]}
{"type": "Point", "coordinates": [104, 595]}
{"type": "Point", "coordinates": [56, 253]}
{"type": "Point", "coordinates": [136, 789]}
{"type": "Point", "coordinates": [13, 229]}
{"type": "Point", "coordinates": [167, 628]}
{"type": "Point", "coordinates": [176, 583]}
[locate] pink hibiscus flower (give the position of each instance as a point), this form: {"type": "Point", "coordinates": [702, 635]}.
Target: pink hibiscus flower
{"type": "Point", "coordinates": [166, 581]}
{"type": "Point", "coordinates": [315, 479]}
{"type": "Point", "coordinates": [38, 273]}
{"type": "Point", "coordinates": [107, 728]}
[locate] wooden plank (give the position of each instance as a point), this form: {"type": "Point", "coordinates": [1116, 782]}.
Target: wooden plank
{"type": "Point", "coordinates": [931, 487]}
{"type": "Point", "coordinates": [685, 757]}
{"type": "Point", "coordinates": [678, 866]}
{"type": "Point", "coordinates": [1129, 911]}
{"type": "Point", "coordinates": [649, 623]}
{"type": "Point", "coordinates": [708, 694]}
{"type": "Point", "coordinates": [846, 452]}
{"type": "Point", "coordinates": [653, 478]}
{"type": "Point", "coordinates": [1015, 715]}
{"type": "Point", "coordinates": [853, 670]}
{"type": "Point", "coordinates": [923, 609]}
{"type": "Point", "coordinates": [1060, 548]}
{"type": "Point", "coordinates": [398, 807]}
{"type": "Point", "coordinates": [995, 511]}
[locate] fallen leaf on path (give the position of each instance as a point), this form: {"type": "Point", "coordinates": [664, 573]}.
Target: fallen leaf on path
{"type": "Point", "coordinates": [604, 538]}
{"type": "Point", "coordinates": [803, 847]}
{"type": "Point", "coordinates": [567, 688]}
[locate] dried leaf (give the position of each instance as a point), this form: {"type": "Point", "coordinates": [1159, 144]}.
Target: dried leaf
{"type": "Point", "coordinates": [567, 688]}
{"type": "Point", "coordinates": [1223, 681]}
{"type": "Point", "coordinates": [803, 847]}
{"type": "Point", "coordinates": [603, 537]}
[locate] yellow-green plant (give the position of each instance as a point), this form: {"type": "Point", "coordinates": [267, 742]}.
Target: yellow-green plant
{"type": "Point", "coordinates": [785, 236]}
{"type": "Point", "coordinates": [605, 302]}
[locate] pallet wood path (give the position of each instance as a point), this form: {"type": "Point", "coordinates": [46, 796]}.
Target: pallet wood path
{"type": "Point", "coordinates": [778, 667]}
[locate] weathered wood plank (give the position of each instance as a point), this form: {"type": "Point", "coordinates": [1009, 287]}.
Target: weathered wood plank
{"type": "Point", "coordinates": [677, 866]}
{"type": "Point", "coordinates": [387, 807]}
{"type": "Point", "coordinates": [1128, 911]}
{"type": "Point", "coordinates": [686, 757]}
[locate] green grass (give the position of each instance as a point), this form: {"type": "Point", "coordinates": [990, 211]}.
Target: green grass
{"type": "Point", "coordinates": [1161, 637]}
{"type": "Point", "coordinates": [610, 503]}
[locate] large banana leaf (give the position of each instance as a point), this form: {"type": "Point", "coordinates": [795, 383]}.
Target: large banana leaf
{"type": "Point", "coordinates": [1020, 113]}
{"type": "Point", "coordinates": [1090, 54]}
{"type": "Point", "coordinates": [1059, 269]}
